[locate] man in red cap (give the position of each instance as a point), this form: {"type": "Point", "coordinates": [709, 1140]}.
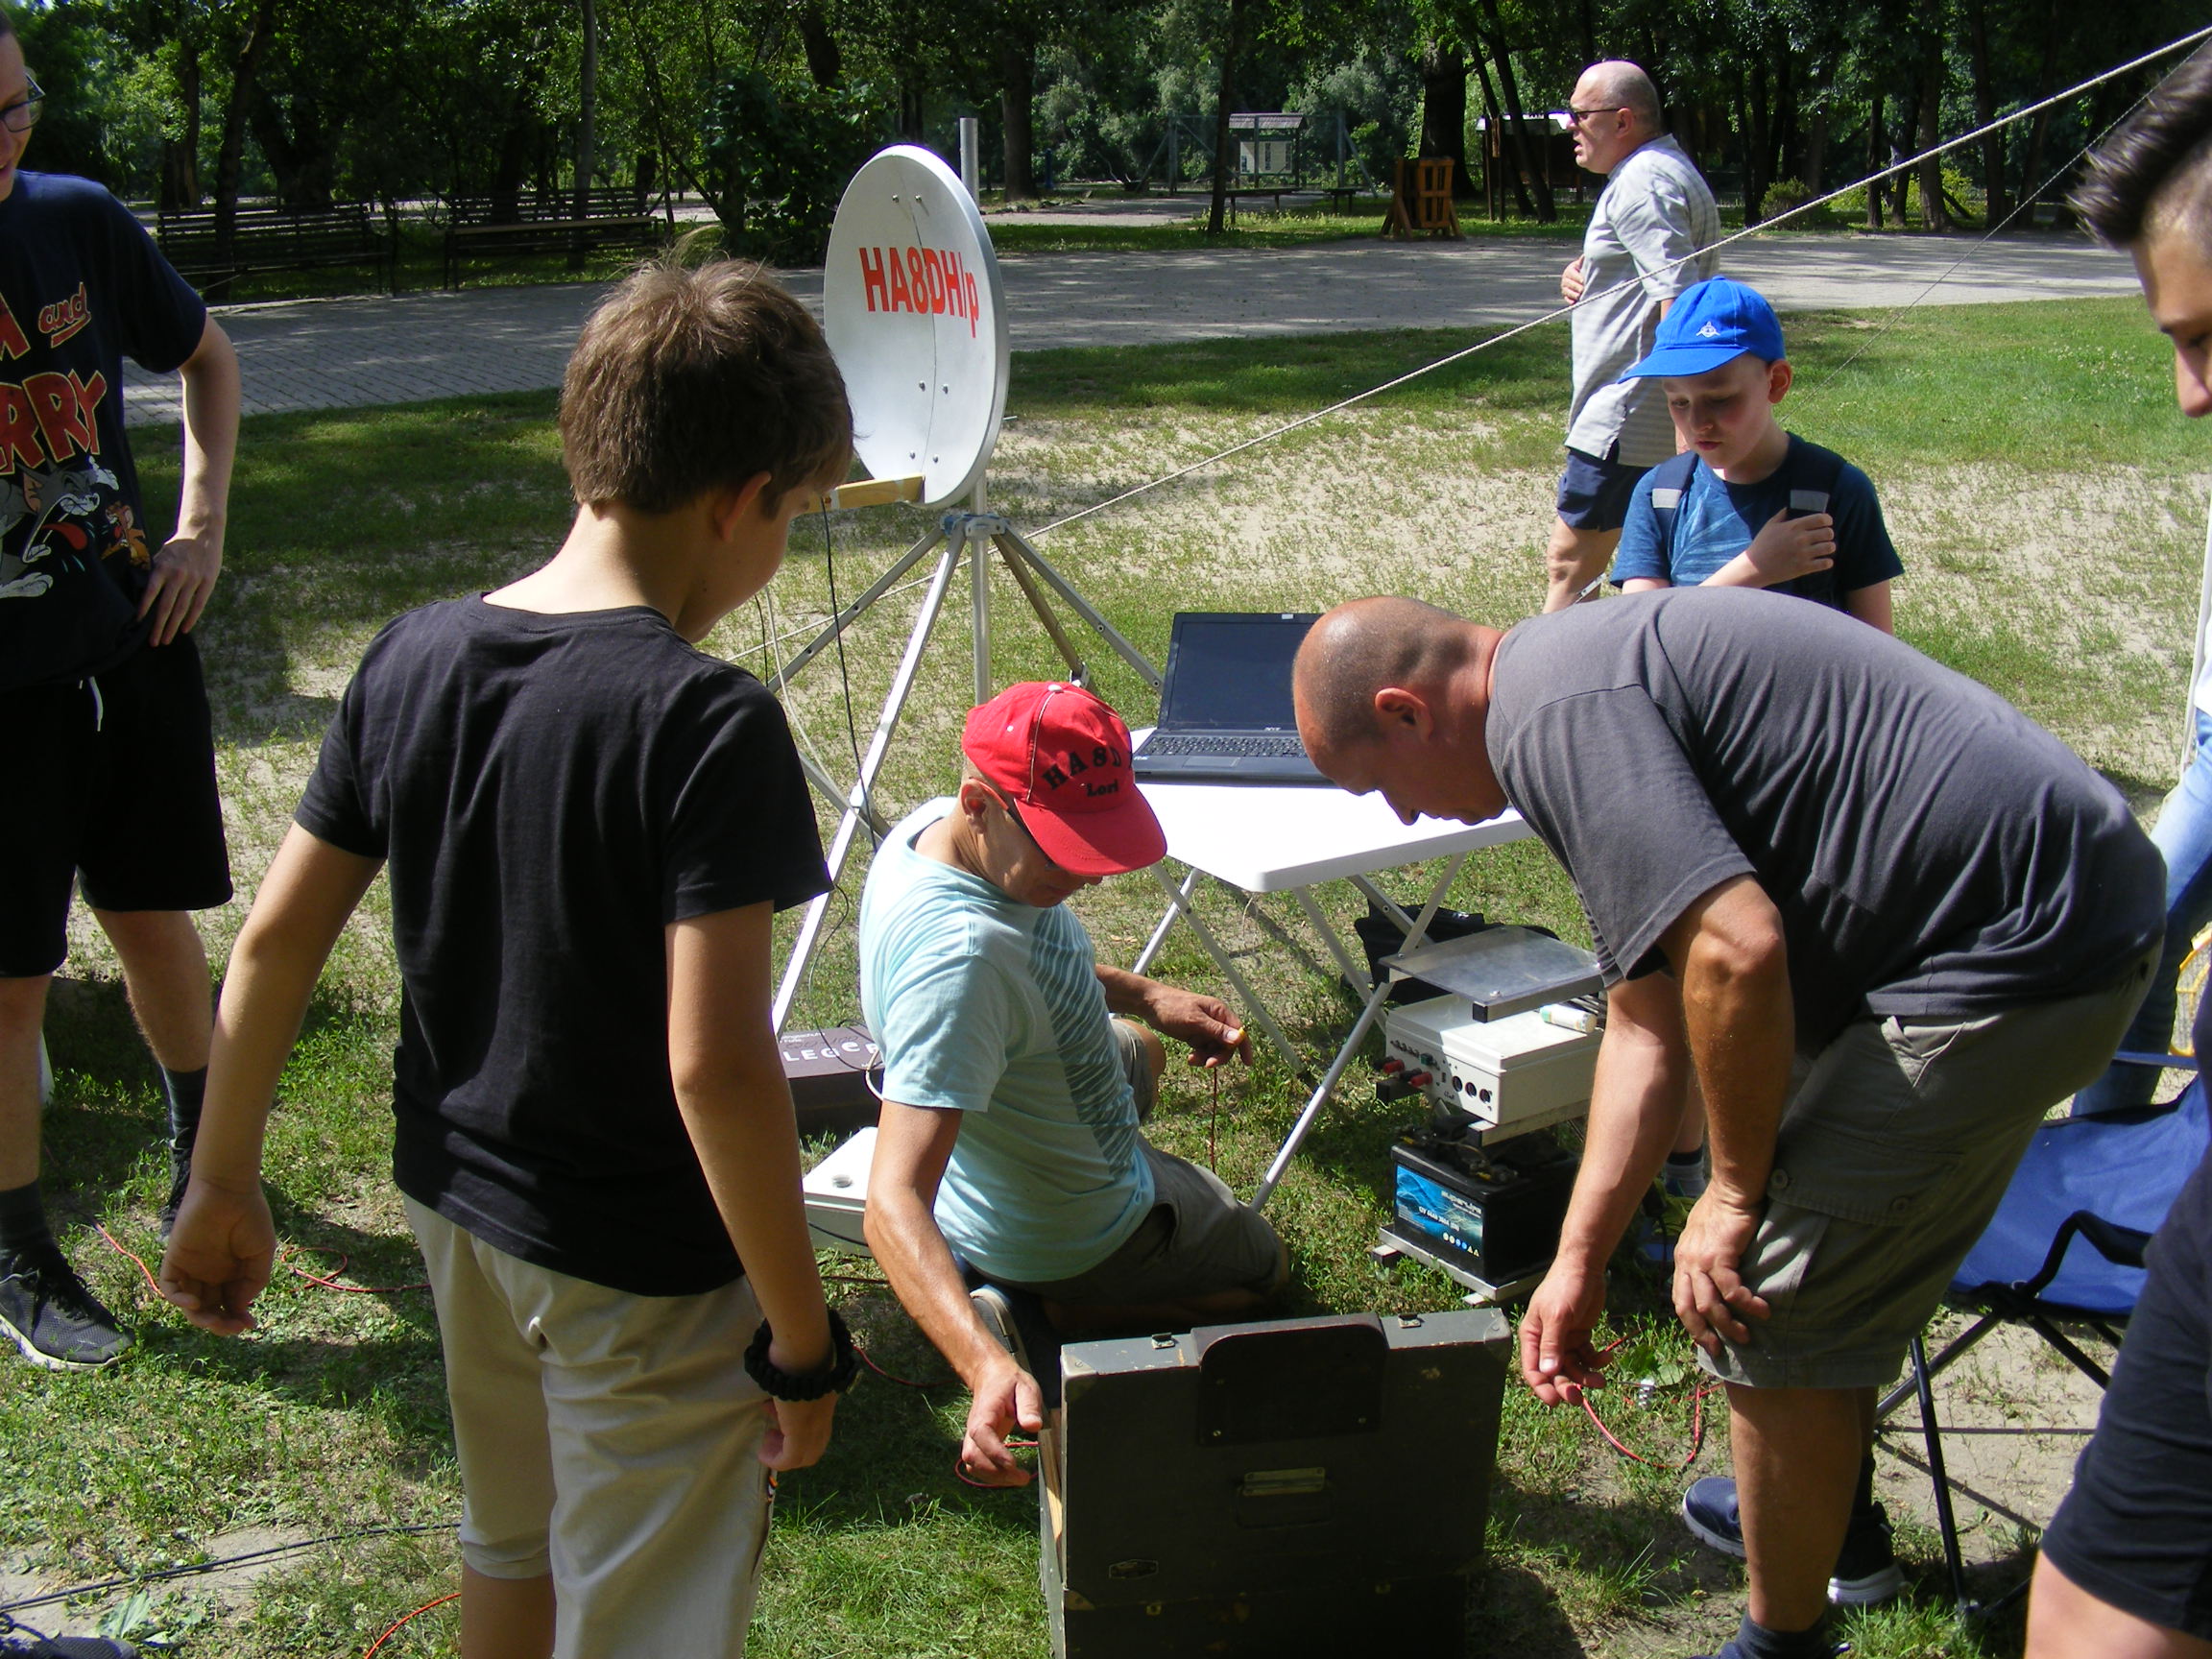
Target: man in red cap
{"type": "Point", "coordinates": [1016, 1078]}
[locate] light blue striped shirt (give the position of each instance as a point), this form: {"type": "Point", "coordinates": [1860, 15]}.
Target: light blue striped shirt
{"type": "Point", "coordinates": [991, 1007]}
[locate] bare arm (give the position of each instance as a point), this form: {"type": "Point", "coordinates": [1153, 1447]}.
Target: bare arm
{"type": "Point", "coordinates": [221, 1250]}
{"type": "Point", "coordinates": [1645, 584]}
{"type": "Point", "coordinates": [1635, 1104]}
{"type": "Point", "coordinates": [186, 570]}
{"type": "Point", "coordinates": [736, 1107]}
{"type": "Point", "coordinates": [913, 1145]}
{"type": "Point", "coordinates": [1730, 954]}
{"type": "Point", "coordinates": [1870, 604]}
{"type": "Point", "coordinates": [1207, 1024]}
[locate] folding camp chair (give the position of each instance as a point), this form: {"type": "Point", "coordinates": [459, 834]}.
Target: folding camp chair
{"type": "Point", "coordinates": [2104, 1183]}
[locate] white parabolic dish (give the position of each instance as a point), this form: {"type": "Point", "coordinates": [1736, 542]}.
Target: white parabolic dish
{"type": "Point", "coordinates": [914, 312]}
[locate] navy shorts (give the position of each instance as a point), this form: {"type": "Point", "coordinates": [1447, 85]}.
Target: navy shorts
{"type": "Point", "coordinates": [116, 781]}
{"type": "Point", "coordinates": [1595, 489]}
{"type": "Point", "coordinates": [2136, 1529]}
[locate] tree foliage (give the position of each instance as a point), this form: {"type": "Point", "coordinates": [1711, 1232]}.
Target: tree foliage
{"type": "Point", "coordinates": [758, 105]}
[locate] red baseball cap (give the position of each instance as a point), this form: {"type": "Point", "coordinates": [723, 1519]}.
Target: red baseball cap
{"type": "Point", "coordinates": [1063, 757]}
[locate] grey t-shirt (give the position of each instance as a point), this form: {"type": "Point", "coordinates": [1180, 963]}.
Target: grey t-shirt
{"type": "Point", "coordinates": [1932, 852]}
{"type": "Point", "coordinates": [1654, 209]}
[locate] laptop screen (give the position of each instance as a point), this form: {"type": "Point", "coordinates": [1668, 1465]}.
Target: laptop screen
{"type": "Point", "coordinates": [1230, 671]}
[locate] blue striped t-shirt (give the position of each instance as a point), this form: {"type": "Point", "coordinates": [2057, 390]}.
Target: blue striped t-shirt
{"type": "Point", "coordinates": [991, 1007]}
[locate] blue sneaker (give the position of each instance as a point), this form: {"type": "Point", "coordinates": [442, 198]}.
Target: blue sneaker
{"type": "Point", "coordinates": [1866, 1570]}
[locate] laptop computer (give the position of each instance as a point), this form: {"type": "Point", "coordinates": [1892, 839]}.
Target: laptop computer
{"type": "Point", "coordinates": [1225, 708]}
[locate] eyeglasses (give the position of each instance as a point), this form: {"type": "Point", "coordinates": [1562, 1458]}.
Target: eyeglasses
{"type": "Point", "coordinates": [22, 115]}
{"type": "Point", "coordinates": [1583, 115]}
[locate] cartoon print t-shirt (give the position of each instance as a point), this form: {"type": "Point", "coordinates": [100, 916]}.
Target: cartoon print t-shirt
{"type": "Point", "coordinates": [81, 286]}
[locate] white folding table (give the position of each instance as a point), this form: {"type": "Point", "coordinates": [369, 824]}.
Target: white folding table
{"type": "Point", "coordinates": [1286, 840]}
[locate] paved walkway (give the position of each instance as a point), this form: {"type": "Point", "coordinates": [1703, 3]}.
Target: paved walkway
{"type": "Point", "coordinates": [339, 353]}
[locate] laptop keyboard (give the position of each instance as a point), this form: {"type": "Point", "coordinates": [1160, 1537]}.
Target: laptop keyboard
{"type": "Point", "coordinates": [1241, 745]}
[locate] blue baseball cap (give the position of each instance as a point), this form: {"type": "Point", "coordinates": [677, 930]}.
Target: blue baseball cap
{"type": "Point", "coordinates": [1715, 323]}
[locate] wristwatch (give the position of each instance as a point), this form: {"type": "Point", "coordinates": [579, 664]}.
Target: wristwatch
{"type": "Point", "coordinates": [843, 1365]}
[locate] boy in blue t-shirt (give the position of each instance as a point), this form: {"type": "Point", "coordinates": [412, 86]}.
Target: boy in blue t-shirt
{"type": "Point", "coordinates": [1747, 504]}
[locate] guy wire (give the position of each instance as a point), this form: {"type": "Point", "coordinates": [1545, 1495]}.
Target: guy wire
{"type": "Point", "coordinates": [1552, 315]}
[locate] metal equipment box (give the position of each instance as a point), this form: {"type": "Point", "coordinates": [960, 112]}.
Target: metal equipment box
{"type": "Point", "coordinates": [1290, 1487]}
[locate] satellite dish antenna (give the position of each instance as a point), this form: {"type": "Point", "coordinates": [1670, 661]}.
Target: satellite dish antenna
{"type": "Point", "coordinates": [915, 314]}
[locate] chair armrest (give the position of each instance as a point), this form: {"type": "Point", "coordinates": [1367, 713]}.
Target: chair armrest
{"type": "Point", "coordinates": [2121, 1246]}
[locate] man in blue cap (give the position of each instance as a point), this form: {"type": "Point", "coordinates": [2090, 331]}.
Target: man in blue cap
{"type": "Point", "coordinates": [1747, 504]}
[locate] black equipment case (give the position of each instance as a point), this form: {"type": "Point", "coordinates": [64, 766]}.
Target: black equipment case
{"type": "Point", "coordinates": [1296, 1486]}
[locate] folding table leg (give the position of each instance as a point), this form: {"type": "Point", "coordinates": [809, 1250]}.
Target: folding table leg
{"type": "Point", "coordinates": [1145, 956]}
{"type": "Point", "coordinates": [1355, 973]}
{"type": "Point", "coordinates": [1253, 1006]}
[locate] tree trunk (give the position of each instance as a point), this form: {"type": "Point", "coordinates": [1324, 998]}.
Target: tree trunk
{"type": "Point", "coordinates": [1999, 205]}
{"type": "Point", "coordinates": [1017, 96]}
{"type": "Point", "coordinates": [1877, 157]}
{"type": "Point", "coordinates": [1224, 157]}
{"type": "Point", "coordinates": [824, 62]}
{"type": "Point", "coordinates": [1496, 151]}
{"type": "Point", "coordinates": [1539, 173]}
{"type": "Point", "coordinates": [1444, 112]}
{"type": "Point", "coordinates": [1751, 122]}
{"type": "Point", "coordinates": [231, 159]}
{"type": "Point", "coordinates": [1933, 215]}
{"type": "Point", "coordinates": [181, 157]}
{"type": "Point", "coordinates": [588, 108]}
{"type": "Point", "coordinates": [302, 151]}
{"type": "Point", "coordinates": [2040, 130]}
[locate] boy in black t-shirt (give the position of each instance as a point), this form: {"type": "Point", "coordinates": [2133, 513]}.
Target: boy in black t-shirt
{"type": "Point", "coordinates": [588, 825]}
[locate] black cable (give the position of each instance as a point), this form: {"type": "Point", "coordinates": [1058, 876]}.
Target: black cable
{"type": "Point", "coordinates": [159, 1574]}
{"type": "Point", "coordinates": [845, 678]}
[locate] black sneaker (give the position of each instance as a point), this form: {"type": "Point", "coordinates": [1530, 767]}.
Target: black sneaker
{"type": "Point", "coordinates": [1866, 1570]}
{"type": "Point", "coordinates": [23, 1642]}
{"type": "Point", "coordinates": [56, 1322]}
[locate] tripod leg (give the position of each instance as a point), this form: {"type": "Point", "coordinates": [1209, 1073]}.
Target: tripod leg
{"type": "Point", "coordinates": [857, 803]}
{"type": "Point", "coordinates": [1045, 615]}
{"type": "Point", "coordinates": [1010, 540]}
{"type": "Point", "coordinates": [852, 612]}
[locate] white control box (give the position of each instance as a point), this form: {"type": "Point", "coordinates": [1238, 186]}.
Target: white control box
{"type": "Point", "coordinates": [836, 1194]}
{"type": "Point", "coordinates": [1520, 1073]}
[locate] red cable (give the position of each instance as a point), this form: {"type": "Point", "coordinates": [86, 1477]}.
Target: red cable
{"type": "Point", "coordinates": [1697, 1430]}
{"type": "Point", "coordinates": [425, 1608]}
{"type": "Point", "coordinates": [153, 1284]}
{"type": "Point", "coordinates": [902, 1381]}
{"type": "Point", "coordinates": [292, 1250]}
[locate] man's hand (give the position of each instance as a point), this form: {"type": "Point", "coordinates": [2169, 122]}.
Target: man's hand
{"type": "Point", "coordinates": [185, 573]}
{"type": "Point", "coordinates": [1557, 1361]}
{"type": "Point", "coordinates": [1571, 282]}
{"type": "Point", "coordinates": [1207, 1024]}
{"type": "Point", "coordinates": [798, 1431]}
{"type": "Point", "coordinates": [220, 1256]}
{"type": "Point", "coordinates": [1787, 548]}
{"type": "Point", "coordinates": [1006, 1398]}
{"type": "Point", "coordinates": [1710, 1296]}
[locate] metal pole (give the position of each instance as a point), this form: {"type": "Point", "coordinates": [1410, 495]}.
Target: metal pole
{"type": "Point", "coordinates": [1011, 538]}
{"type": "Point", "coordinates": [971, 144]}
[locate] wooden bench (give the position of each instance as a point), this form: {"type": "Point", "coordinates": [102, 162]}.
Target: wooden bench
{"type": "Point", "coordinates": [277, 239]}
{"type": "Point", "coordinates": [614, 216]}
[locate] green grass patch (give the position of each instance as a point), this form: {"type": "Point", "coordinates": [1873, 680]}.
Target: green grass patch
{"type": "Point", "coordinates": [2047, 501]}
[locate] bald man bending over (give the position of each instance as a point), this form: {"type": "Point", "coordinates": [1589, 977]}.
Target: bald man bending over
{"type": "Point", "coordinates": [1888, 921]}
{"type": "Point", "coordinates": [1652, 216]}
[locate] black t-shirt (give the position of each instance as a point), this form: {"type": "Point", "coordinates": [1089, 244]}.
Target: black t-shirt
{"type": "Point", "coordinates": [551, 792]}
{"type": "Point", "coordinates": [81, 286]}
{"type": "Point", "coordinates": [1931, 850]}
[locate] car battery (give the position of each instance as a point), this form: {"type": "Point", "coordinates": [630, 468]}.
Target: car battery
{"type": "Point", "coordinates": [1519, 1072]}
{"type": "Point", "coordinates": [1245, 1490]}
{"type": "Point", "coordinates": [1494, 1214]}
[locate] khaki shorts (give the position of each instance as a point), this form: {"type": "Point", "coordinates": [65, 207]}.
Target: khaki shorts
{"type": "Point", "coordinates": [607, 1439]}
{"type": "Point", "coordinates": [1197, 1239]}
{"type": "Point", "coordinates": [1892, 1157]}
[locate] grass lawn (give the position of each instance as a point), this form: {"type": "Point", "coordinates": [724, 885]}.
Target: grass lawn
{"type": "Point", "coordinates": [2049, 506]}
